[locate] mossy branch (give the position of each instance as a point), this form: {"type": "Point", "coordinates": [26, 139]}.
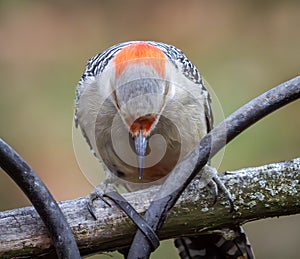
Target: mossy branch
{"type": "Point", "coordinates": [260, 192]}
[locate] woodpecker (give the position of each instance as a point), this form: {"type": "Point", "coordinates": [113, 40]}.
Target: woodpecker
{"type": "Point", "coordinates": [142, 106]}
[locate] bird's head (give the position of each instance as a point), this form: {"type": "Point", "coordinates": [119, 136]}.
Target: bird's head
{"type": "Point", "coordinates": [140, 92]}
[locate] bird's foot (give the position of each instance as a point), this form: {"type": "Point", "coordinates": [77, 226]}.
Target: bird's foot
{"type": "Point", "coordinates": [99, 193]}
{"type": "Point", "coordinates": [107, 192]}
{"type": "Point", "coordinates": [213, 181]}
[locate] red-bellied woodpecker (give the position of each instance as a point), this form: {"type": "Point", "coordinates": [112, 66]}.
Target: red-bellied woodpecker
{"type": "Point", "coordinates": [132, 94]}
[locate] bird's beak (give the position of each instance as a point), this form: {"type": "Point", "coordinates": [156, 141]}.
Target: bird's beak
{"type": "Point", "coordinates": [140, 143]}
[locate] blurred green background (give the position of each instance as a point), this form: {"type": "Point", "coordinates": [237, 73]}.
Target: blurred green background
{"type": "Point", "coordinates": [242, 48]}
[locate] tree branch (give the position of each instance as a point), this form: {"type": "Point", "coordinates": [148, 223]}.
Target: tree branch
{"type": "Point", "coordinates": [266, 191]}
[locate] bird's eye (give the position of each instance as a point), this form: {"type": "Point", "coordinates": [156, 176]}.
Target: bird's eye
{"type": "Point", "coordinates": [131, 136]}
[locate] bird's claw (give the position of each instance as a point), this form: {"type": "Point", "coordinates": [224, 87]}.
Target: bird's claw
{"type": "Point", "coordinates": [126, 207]}
{"type": "Point", "coordinates": [217, 185]}
{"type": "Point", "coordinates": [214, 187]}
{"type": "Point", "coordinates": [98, 193]}
{"type": "Point", "coordinates": [222, 187]}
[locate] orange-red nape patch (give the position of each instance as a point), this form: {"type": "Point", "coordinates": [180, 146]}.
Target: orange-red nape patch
{"type": "Point", "coordinates": [140, 52]}
{"type": "Point", "coordinates": [143, 123]}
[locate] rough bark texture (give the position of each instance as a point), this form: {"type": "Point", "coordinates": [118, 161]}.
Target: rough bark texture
{"type": "Point", "coordinates": [266, 191]}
